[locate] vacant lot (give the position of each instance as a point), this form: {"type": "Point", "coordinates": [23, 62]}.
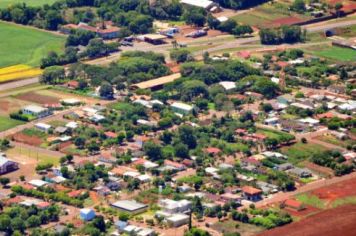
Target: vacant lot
{"type": "Point", "coordinates": [24, 45]}
{"type": "Point", "coordinates": [337, 221]}
{"type": "Point", "coordinates": [6, 3]}
{"type": "Point", "coordinates": [301, 151]}
{"type": "Point", "coordinates": [38, 98]}
{"type": "Point", "coordinates": [7, 123]}
{"type": "Point", "coordinates": [10, 104]}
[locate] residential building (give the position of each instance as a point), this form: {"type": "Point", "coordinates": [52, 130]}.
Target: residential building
{"type": "Point", "coordinates": [130, 206]}
{"type": "Point", "coordinates": [181, 108]}
{"type": "Point", "coordinates": [87, 214]}
{"type": "Point", "coordinates": [252, 194]}
{"type": "Point", "coordinates": [35, 110]}
{"type": "Point", "coordinates": [6, 165]}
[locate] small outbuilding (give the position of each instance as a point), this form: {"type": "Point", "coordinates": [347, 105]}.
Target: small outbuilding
{"type": "Point", "coordinates": [87, 214]}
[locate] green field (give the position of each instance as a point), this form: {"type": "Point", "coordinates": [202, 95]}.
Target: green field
{"type": "Point", "coordinates": [337, 53]}
{"type": "Point", "coordinates": [24, 45]}
{"type": "Point", "coordinates": [7, 123]}
{"type": "Point", "coordinates": [35, 3]}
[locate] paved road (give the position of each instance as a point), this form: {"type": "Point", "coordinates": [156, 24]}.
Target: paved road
{"type": "Point", "coordinates": [225, 46]}
{"type": "Point", "coordinates": [19, 83]}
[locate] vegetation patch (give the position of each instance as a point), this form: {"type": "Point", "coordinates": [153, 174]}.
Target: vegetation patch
{"type": "Point", "coordinates": [23, 45]}
{"type": "Point", "coordinates": [311, 200]}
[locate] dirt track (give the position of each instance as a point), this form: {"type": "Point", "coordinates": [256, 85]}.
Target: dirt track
{"type": "Point", "coordinates": [337, 221]}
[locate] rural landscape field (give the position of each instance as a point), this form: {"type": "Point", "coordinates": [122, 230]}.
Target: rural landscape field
{"type": "Point", "coordinates": [24, 45]}
{"type": "Point", "coordinates": [178, 117]}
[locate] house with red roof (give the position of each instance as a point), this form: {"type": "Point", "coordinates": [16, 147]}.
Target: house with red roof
{"type": "Point", "coordinates": [293, 204]}
{"type": "Point", "coordinates": [110, 134]}
{"type": "Point", "coordinates": [252, 194]}
{"type": "Point", "coordinates": [212, 151]}
{"type": "Point", "coordinates": [174, 164]}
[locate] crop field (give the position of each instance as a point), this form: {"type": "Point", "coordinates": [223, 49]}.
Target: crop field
{"type": "Point", "coordinates": [18, 72]}
{"type": "Point", "coordinates": [38, 98]}
{"type": "Point", "coordinates": [24, 45]}
{"type": "Point", "coordinates": [35, 3]}
{"type": "Point", "coordinates": [334, 53]}
{"type": "Point", "coordinates": [267, 14]}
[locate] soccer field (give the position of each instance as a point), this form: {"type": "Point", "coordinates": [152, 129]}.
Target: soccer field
{"type": "Point", "coordinates": [24, 45]}
{"type": "Point", "coordinates": [35, 3]}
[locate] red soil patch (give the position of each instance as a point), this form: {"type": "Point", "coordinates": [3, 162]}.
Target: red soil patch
{"type": "Point", "coordinates": [31, 140]}
{"type": "Point", "coordinates": [37, 98]}
{"type": "Point", "coordinates": [336, 191]}
{"type": "Point", "coordinates": [4, 105]}
{"type": "Point", "coordinates": [337, 221]}
{"type": "Point", "coordinates": [303, 213]}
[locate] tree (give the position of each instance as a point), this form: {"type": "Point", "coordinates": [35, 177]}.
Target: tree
{"type": "Point", "coordinates": [99, 223]}
{"type": "Point", "coordinates": [227, 26]}
{"type": "Point", "coordinates": [52, 19]}
{"type": "Point", "coordinates": [33, 221]}
{"type": "Point", "coordinates": [187, 136]}
{"type": "Point", "coordinates": [181, 150]}
{"type": "Point", "coordinates": [298, 6]}
{"type": "Point", "coordinates": [79, 142]}
{"type": "Point", "coordinates": [106, 90]}
{"type": "Point", "coordinates": [4, 181]}
{"type": "Point", "coordinates": [53, 75]}
{"type": "Point", "coordinates": [196, 232]}
{"type": "Point", "coordinates": [180, 55]}
{"type": "Point", "coordinates": [193, 88]}
{"type": "Point", "coordinates": [153, 151]}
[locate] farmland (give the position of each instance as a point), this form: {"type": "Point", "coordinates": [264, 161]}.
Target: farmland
{"type": "Point", "coordinates": [23, 45]}
{"type": "Point", "coordinates": [267, 14]}
{"type": "Point", "coordinates": [18, 72]}
{"type": "Point", "coordinates": [335, 53]}
{"type": "Point", "coordinates": [35, 3]}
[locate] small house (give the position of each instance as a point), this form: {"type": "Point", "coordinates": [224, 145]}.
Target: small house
{"type": "Point", "coordinates": [35, 110]}
{"type": "Point", "coordinates": [7, 166]}
{"type": "Point", "coordinates": [177, 220]}
{"type": "Point", "coordinates": [130, 206]}
{"type": "Point", "coordinates": [43, 127]}
{"type": "Point", "coordinates": [181, 108]}
{"type": "Point", "coordinates": [251, 193]}
{"type": "Point", "coordinates": [300, 172]}
{"type": "Point", "coordinates": [87, 214]}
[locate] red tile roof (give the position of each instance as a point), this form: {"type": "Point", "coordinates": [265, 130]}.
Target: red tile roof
{"type": "Point", "coordinates": [212, 150]}
{"type": "Point", "coordinates": [293, 203]}
{"type": "Point", "coordinates": [110, 134]}
{"type": "Point", "coordinates": [251, 190]}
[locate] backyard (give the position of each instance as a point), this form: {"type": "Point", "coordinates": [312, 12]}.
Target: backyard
{"type": "Point", "coordinates": [301, 151]}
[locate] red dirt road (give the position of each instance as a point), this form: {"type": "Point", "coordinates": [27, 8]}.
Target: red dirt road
{"type": "Point", "coordinates": [337, 221]}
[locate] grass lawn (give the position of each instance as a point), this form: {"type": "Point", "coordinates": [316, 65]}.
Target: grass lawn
{"type": "Point", "coordinates": [275, 134]}
{"type": "Point", "coordinates": [337, 53]}
{"type": "Point", "coordinates": [311, 200]}
{"type": "Point", "coordinates": [24, 45]}
{"type": "Point", "coordinates": [301, 151]}
{"type": "Point", "coordinates": [120, 106]}
{"type": "Point", "coordinates": [7, 123]}
{"type": "Point", "coordinates": [35, 3]}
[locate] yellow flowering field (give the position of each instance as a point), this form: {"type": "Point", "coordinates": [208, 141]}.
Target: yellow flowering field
{"type": "Point", "coordinates": [18, 72]}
